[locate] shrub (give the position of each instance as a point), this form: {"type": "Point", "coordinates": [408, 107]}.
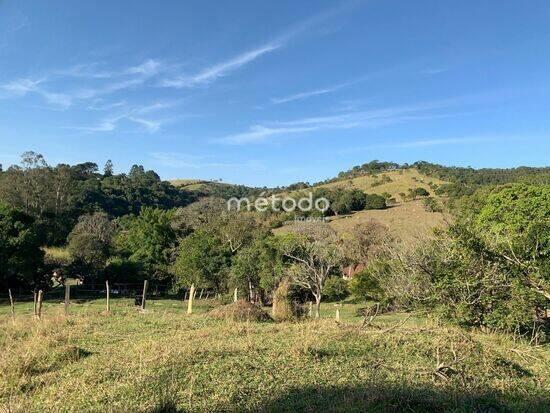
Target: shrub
{"type": "Point", "coordinates": [365, 285]}
{"type": "Point", "coordinates": [421, 192]}
{"type": "Point", "coordinates": [431, 205]}
{"type": "Point", "coordinates": [336, 289]}
{"type": "Point", "coordinates": [375, 201]}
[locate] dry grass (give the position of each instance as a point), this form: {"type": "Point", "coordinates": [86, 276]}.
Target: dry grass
{"type": "Point", "coordinates": [408, 221]}
{"type": "Point", "coordinates": [240, 311]}
{"type": "Point", "coordinates": [401, 182]}
{"type": "Point", "coordinates": [164, 360]}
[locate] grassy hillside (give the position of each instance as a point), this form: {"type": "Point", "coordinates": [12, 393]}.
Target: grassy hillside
{"type": "Point", "coordinates": [407, 220]}
{"type": "Point", "coordinates": [401, 181]}
{"type": "Point", "coordinates": [166, 361]}
{"type": "Point", "coordinates": [194, 184]}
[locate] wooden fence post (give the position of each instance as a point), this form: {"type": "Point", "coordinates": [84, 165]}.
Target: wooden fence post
{"type": "Point", "coordinates": [191, 296]}
{"type": "Point", "coordinates": [235, 295]}
{"type": "Point", "coordinates": [67, 298]}
{"type": "Point", "coordinates": [337, 314]}
{"type": "Point", "coordinates": [143, 297]}
{"type": "Point", "coordinates": [310, 312]}
{"type": "Point", "coordinates": [12, 305]}
{"type": "Point", "coordinates": [39, 311]}
{"type": "Point", "coordinates": [108, 291]}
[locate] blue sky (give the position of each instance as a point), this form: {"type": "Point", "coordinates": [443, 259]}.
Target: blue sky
{"type": "Point", "coordinates": [273, 92]}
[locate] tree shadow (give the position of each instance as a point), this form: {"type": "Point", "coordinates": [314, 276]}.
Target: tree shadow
{"type": "Point", "coordinates": [382, 398]}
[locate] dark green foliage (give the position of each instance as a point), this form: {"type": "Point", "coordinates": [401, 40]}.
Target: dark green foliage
{"type": "Point", "coordinates": [431, 205]}
{"type": "Point", "coordinates": [375, 201]}
{"type": "Point", "coordinates": [486, 176]}
{"type": "Point", "coordinates": [21, 259]}
{"type": "Point", "coordinates": [336, 289]}
{"type": "Point", "coordinates": [147, 239]}
{"type": "Point", "coordinates": [345, 201]}
{"type": "Point", "coordinates": [57, 196]}
{"type": "Point", "coordinates": [203, 260]}
{"type": "Point", "coordinates": [123, 270]}
{"type": "Point", "coordinates": [365, 284]}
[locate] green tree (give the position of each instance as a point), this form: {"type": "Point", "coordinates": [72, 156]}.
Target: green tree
{"type": "Point", "coordinates": [516, 220]}
{"type": "Point", "coordinates": [203, 260]}
{"type": "Point", "coordinates": [89, 243]}
{"type": "Point", "coordinates": [148, 239]}
{"type": "Point", "coordinates": [21, 258]}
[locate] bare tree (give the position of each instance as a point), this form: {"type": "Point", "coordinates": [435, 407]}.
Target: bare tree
{"type": "Point", "coordinates": [316, 253]}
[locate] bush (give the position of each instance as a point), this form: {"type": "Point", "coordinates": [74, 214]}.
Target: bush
{"type": "Point", "coordinates": [365, 286]}
{"type": "Point", "coordinates": [431, 205]}
{"type": "Point", "coordinates": [336, 289]}
{"type": "Point", "coordinates": [375, 201]}
{"type": "Point", "coordinates": [421, 192]}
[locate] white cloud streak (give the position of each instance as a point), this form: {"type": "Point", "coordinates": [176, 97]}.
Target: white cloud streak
{"type": "Point", "coordinates": [420, 143]}
{"type": "Point", "coordinates": [305, 95]}
{"type": "Point", "coordinates": [356, 119]}
{"type": "Point", "coordinates": [212, 73]}
{"type": "Point", "coordinates": [121, 80]}
{"type": "Point", "coordinates": [135, 115]}
{"type": "Point", "coordinates": [215, 72]}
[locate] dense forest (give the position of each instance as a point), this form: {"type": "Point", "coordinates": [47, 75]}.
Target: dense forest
{"type": "Point", "coordinates": [489, 267]}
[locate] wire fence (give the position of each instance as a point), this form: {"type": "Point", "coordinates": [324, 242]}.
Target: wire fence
{"type": "Point", "coordinates": [98, 290]}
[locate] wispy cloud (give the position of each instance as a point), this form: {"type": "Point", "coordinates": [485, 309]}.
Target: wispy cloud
{"type": "Point", "coordinates": [135, 115]}
{"type": "Point", "coordinates": [212, 73]}
{"type": "Point", "coordinates": [419, 143]}
{"type": "Point", "coordinates": [112, 81]}
{"type": "Point", "coordinates": [22, 87]}
{"type": "Point", "coordinates": [355, 119]}
{"type": "Point", "coordinates": [305, 95]}
{"type": "Point", "coordinates": [433, 71]}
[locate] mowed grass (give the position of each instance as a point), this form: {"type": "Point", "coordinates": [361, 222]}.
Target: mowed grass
{"type": "Point", "coordinates": [165, 360]}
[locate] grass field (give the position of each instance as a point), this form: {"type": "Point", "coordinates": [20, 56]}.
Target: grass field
{"type": "Point", "coordinates": [401, 181]}
{"type": "Point", "coordinates": [407, 221]}
{"type": "Point", "coordinates": [164, 360]}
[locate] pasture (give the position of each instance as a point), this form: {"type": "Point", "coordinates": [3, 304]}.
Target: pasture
{"type": "Point", "coordinates": [164, 360]}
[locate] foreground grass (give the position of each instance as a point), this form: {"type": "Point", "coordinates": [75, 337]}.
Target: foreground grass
{"type": "Point", "coordinates": [165, 360]}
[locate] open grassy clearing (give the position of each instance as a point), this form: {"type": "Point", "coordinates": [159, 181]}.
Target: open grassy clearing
{"type": "Point", "coordinates": [165, 360]}
{"type": "Point", "coordinates": [402, 180]}
{"type": "Point", "coordinates": [408, 221]}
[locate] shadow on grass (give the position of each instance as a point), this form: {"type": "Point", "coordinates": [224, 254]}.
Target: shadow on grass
{"type": "Point", "coordinates": [386, 399]}
{"type": "Point", "coordinates": [379, 398]}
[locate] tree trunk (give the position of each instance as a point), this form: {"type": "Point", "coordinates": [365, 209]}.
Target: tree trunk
{"type": "Point", "coordinates": [318, 306]}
